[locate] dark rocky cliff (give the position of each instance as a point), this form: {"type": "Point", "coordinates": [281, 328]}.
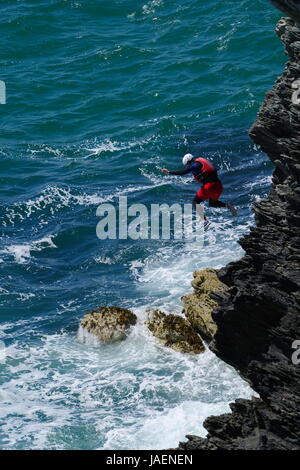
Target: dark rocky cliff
{"type": "Point", "coordinates": [258, 319]}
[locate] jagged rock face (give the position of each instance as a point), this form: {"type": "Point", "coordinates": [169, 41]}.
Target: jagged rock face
{"type": "Point", "coordinates": [258, 317]}
{"type": "Point", "coordinates": [290, 7]}
{"type": "Point", "coordinates": [107, 324]}
{"type": "Point", "coordinates": [198, 306]}
{"type": "Point", "coordinates": [251, 425]}
{"type": "Point", "coordinates": [174, 332]}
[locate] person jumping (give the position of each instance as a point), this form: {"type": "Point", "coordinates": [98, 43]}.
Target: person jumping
{"type": "Point", "coordinates": [204, 172]}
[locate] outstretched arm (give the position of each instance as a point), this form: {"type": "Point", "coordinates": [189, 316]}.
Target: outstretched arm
{"type": "Point", "coordinates": [189, 169]}
{"type": "Point", "coordinates": [184, 171]}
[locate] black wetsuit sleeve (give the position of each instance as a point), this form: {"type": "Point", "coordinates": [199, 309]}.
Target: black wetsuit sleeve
{"type": "Point", "coordinates": [184, 171]}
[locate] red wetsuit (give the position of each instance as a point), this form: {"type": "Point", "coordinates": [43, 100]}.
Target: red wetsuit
{"type": "Point", "coordinates": [212, 187]}
{"type": "Point", "coordinates": [204, 172]}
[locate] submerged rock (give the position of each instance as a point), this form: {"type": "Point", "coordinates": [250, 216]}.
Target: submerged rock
{"type": "Point", "coordinates": [106, 324]}
{"type": "Point", "coordinates": [198, 306]}
{"type": "Point", "coordinates": [174, 332]}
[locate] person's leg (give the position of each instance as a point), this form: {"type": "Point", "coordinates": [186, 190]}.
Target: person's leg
{"type": "Point", "coordinates": [217, 203]}
{"type": "Point", "coordinates": [232, 209]}
{"type": "Point", "coordinates": [198, 199]}
{"type": "Point", "coordinates": [214, 191]}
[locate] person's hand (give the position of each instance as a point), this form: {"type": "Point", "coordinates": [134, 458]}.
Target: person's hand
{"type": "Point", "coordinates": [165, 170]}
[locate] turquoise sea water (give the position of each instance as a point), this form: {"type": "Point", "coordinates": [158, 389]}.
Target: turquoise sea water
{"type": "Point", "coordinates": [100, 97]}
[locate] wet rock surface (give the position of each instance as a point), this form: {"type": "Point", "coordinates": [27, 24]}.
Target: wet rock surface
{"type": "Point", "coordinates": [258, 318]}
{"type": "Point", "coordinates": [198, 305]}
{"type": "Point", "coordinates": [108, 324]}
{"type": "Point", "coordinates": [174, 332]}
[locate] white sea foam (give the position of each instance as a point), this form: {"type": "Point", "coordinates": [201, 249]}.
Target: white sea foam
{"type": "Point", "coordinates": [23, 296]}
{"type": "Point", "coordinates": [106, 146]}
{"type": "Point", "coordinates": [223, 41]}
{"type": "Point", "coordinates": [259, 182]}
{"type": "Point", "coordinates": [162, 430]}
{"type": "Point", "coordinates": [150, 7]}
{"type": "Point", "coordinates": [167, 271]}
{"type": "Point", "coordinates": [45, 149]}
{"type": "Point", "coordinates": [109, 145]}
{"type": "Point", "coordinates": [158, 180]}
{"type": "Point", "coordinates": [22, 253]}
{"type": "Point", "coordinates": [59, 388]}
{"type": "Point", "coordinates": [104, 260]}
{"type": "Point", "coordinates": [118, 396]}
{"type": "Point", "coordinates": [94, 147]}
{"type": "Point", "coordinates": [56, 198]}
{"type": "Point", "coordinates": [87, 338]}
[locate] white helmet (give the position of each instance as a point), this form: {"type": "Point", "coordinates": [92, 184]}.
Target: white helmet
{"type": "Point", "coordinates": [187, 158]}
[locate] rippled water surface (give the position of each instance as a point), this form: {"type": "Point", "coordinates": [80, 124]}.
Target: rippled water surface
{"type": "Point", "coordinates": [100, 97]}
